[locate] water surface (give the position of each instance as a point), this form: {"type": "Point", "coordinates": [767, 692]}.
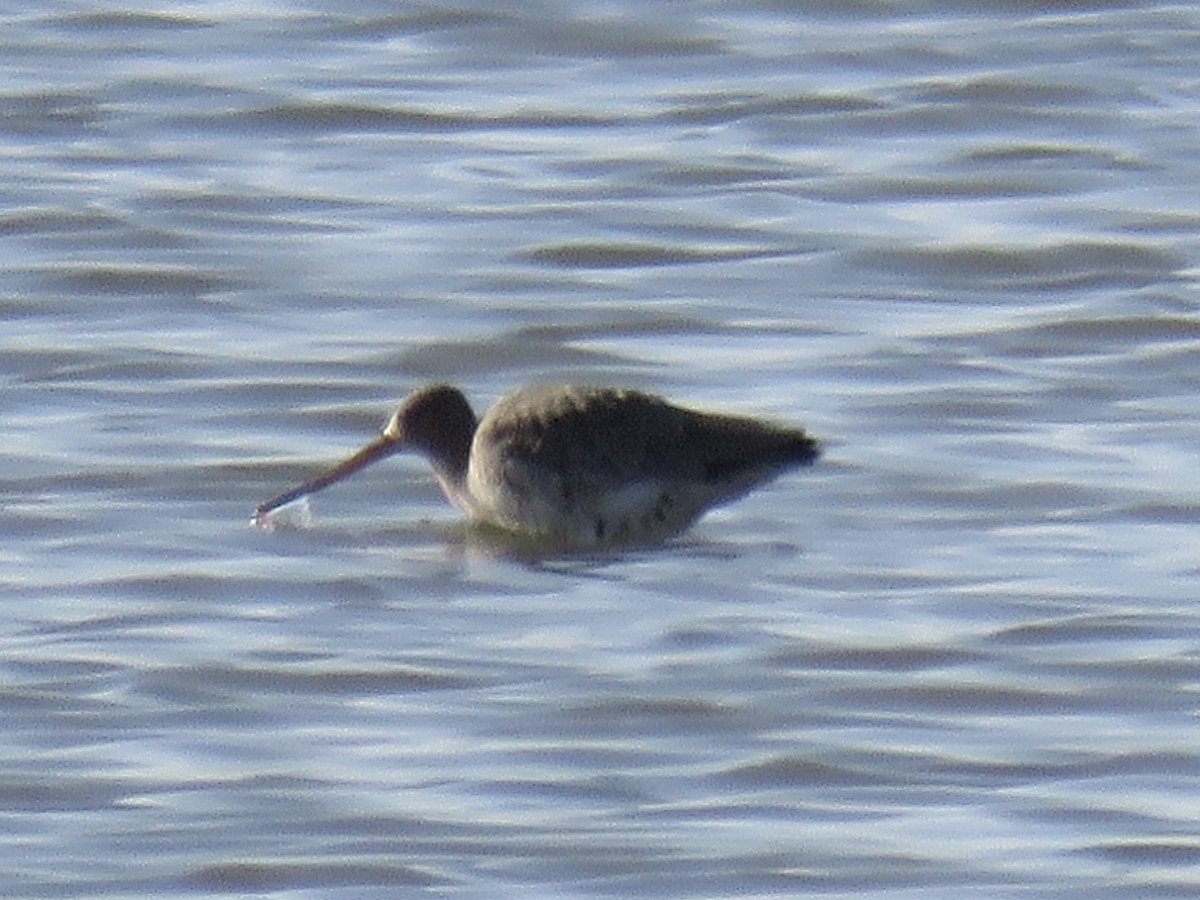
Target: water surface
{"type": "Point", "coordinates": [957, 659]}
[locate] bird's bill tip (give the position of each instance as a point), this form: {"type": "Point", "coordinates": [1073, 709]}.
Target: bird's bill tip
{"type": "Point", "coordinates": [264, 513]}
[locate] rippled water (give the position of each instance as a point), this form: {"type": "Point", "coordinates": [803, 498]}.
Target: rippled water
{"type": "Point", "coordinates": [959, 658]}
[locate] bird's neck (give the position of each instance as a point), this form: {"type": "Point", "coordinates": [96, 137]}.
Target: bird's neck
{"type": "Point", "coordinates": [450, 467]}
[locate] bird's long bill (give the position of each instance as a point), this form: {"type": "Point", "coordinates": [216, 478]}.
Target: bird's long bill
{"type": "Point", "coordinates": [376, 450]}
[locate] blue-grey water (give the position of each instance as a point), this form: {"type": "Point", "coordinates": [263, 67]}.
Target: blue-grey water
{"type": "Point", "coordinates": [960, 658]}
